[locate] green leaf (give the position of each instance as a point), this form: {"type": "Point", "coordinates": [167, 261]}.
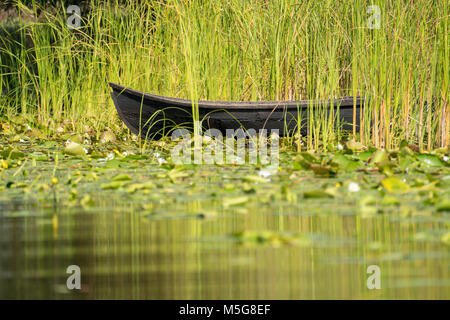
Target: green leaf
{"type": "Point", "coordinates": [76, 138]}
{"type": "Point", "coordinates": [345, 163]}
{"type": "Point", "coordinates": [177, 174]}
{"type": "Point", "coordinates": [354, 145]}
{"type": "Point", "coordinates": [255, 179]}
{"type": "Point", "coordinates": [364, 156]}
{"type": "Point", "coordinates": [301, 165]}
{"type": "Point", "coordinates": [395, 185]}
{"type": "Point", "coordinates": [114, 185]}
{"type": "Point", "coordinates": [114, 163]}
{"type": "Point", "coordinates": [390, 201]}
{"type": "Point", "coordinates": [140, 186]}
{"type": "Point", "coordinates": [121, 177]}
{"type": "Point", "coordinates": [308, 157]}
{"type": "Point", "coordinates": [12, 154]}
{"type": "Point", "coordinates": [234, 201]}
{"type": "Point", "coordinates": [49, 144]}
{"type": "Point", "coordinates": [386, 167]}
{"type": "Point", "coordinates": [446, 238]}
{"type": "Point", "coordinates": [430, 160]}
{"type": "Point", "coordinates": [406, 162]}
{"type": "Point", "coordinates": [75, 149]}
{"type": "Point", "coordinates": [443, 205]}
{"type": "Point", "coordinates": [380, 155]}
{"type": "Point", "coordinates": [320, 170]}
{"type": "Point", "coordinates": [38, 156]}
{"type": "Point", "coordinates": [107, 137]}
{"type": "Point", "coordinates": [314, 194]}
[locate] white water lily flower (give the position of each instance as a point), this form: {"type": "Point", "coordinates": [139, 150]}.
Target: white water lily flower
{"type": "Point", "coordinates": [353, 187]}
{"type": "Point", "coordinates": [109, 156]}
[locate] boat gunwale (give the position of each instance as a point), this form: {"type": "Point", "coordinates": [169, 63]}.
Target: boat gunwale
{"type": "Point", "coordinates": [344, 102]}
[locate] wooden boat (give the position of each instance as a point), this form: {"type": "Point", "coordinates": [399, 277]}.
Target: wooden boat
{"type": "Point", "coordinates": [152, 116]}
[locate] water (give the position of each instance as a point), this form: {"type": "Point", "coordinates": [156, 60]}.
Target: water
{"type": "Point", "coordinates": [141, 230]}
{"type": "Point", "coordinates": [124, 253]}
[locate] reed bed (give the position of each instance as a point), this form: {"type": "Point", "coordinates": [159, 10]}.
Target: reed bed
{"type": "Point", "coordinates": [238, 50]}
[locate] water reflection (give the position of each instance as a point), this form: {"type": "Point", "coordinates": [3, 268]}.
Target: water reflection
{"type": "Point", "coordinates": [124, 254]}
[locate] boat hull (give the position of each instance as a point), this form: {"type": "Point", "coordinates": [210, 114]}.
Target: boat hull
{"type": "Point", "coordinates": [152, 117]}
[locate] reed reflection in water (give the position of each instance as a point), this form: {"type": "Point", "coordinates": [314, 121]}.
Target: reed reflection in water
{"type": "Point", "coordinates": [123, 254]}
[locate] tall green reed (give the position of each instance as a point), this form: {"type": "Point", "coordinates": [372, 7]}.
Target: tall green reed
{"type": "Point", "coordinates": [240, 50]}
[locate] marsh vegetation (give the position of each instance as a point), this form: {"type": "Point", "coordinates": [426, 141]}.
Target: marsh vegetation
{"type": "Point", "coordinates": [76, 187]}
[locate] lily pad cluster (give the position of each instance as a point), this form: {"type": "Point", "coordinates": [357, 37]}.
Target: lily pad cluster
{"type": "Point", "coordinates": [82, 170]}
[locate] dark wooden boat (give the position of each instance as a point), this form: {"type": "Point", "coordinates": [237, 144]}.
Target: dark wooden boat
{"type": "Point", "coordinates": [152, 116]}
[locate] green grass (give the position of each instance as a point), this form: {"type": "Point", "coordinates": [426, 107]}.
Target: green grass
{"type": "Point", "coordinates": [238, 50]}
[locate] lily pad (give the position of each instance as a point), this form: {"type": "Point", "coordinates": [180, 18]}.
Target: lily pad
{"type": "Point", "coordinates": [430, 160]}
{"type": "Point", "coordinates": [395, 185]}
{"type": "Point", "coordinates": [140, 186]}
{"type": "Point", "coordinates": [114, 185]}
{"type": "Point", "coordinates": [12, 154]}
{"type": "Point", "coordinates": [121, 177]}
{"type": "Point", "coordinates": [380, 155]}
{"type": "Point", "coordinates": [446, 238]}
{"type": "Point", "coordinates": [255, 179]}
{"type": "Point", "coordinates": [75, 149]}
{"type": "Point", "coordinates": [322, 170]}
{"type": "Point", "coordinates": [443, 205]}
{"type": "Point", "coordinates": [107, 137]}
{"type": "Point", "coordinates": [345, 163]}
{"type": "Point", "coordinates": [234, 201]}
{"type": "Point", "coordinates": [354, 145]}
{"type": "Point", "coordinates": [314, 194]}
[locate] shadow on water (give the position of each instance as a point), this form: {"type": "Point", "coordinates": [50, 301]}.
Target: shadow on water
{"type": "Point", "coordinates": [123, 254]}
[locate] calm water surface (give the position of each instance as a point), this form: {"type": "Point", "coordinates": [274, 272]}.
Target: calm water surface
{"type": "Point", "coordinates": [123, 253]}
